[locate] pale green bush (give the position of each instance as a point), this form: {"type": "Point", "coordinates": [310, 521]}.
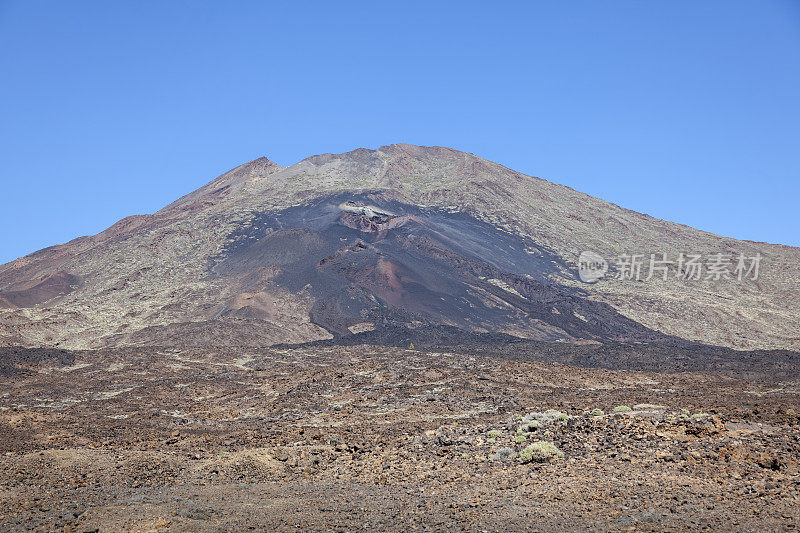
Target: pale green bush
{"type": "Point", "coordinates": [643, 406]}
{"type": "Point", "coordinates": [528, 427]}
{"type": "Point", "coordinates": [540, 452]}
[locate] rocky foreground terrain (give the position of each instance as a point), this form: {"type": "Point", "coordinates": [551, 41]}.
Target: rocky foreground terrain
{"type": "Point", "coordinates": [343, 438]}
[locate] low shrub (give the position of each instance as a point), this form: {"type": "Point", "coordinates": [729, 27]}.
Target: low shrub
{"type": "Point", "coordinates": [504, 454]}
{"type": "Point", "coordinates": [642, 406]}
{"type": "Point", "coordinates": [545, 417]}
{"type": "Point", "coordinates": [528, 427]}
{"type": "Point", "coordinates": [540, 452]}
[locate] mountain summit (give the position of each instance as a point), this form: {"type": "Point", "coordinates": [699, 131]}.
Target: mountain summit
{"type": "Point", "coordinates": [399, 237]}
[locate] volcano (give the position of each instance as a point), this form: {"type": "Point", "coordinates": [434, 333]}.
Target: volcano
{"type": "Point", "coordinates": [402, 237]}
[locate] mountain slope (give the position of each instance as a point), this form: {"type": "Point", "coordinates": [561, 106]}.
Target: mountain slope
{"type": "Point", "coordinates": [403, 235]}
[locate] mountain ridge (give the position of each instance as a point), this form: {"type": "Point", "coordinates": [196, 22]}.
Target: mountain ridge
{"type": "Point", "coordinates": [153, 270]}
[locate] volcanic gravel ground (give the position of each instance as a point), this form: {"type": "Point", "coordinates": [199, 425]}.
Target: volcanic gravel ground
{"type": "Point", "coordinates": [344, 438]}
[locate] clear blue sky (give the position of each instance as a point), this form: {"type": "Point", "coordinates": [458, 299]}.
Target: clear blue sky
{"type": "Point", "coordinates": [685, 110]}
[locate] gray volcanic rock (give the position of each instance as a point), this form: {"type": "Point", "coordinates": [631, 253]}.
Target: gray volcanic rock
{"type": "Point", "coordinates": [403, 236]}
{"type": "Point", "coordinates": [389, 439]}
